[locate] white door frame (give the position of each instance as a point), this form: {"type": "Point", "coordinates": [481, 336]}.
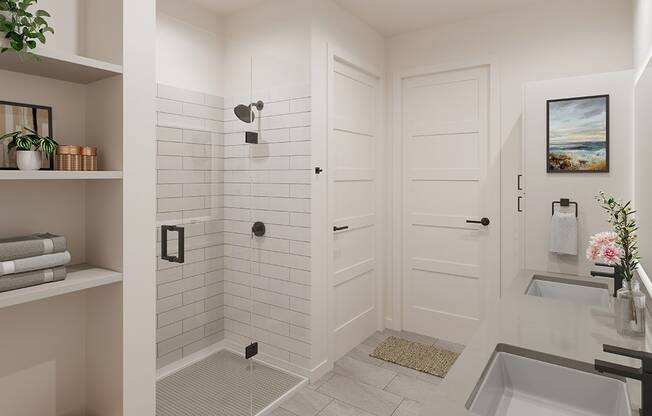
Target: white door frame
{"type": "Point", "coordinates": [338, 54]}
{"type": "Point", "coordinates": [395, 319]}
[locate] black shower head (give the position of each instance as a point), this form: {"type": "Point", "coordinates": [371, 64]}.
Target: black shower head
{"type": "Point", "coordinates": [244, 113]}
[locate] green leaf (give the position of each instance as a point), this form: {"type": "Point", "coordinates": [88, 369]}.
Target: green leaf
{"type": "Point", "coordinates": [22, 27]}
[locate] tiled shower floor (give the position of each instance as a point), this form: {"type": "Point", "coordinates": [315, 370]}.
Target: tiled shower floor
{"type": "Point", "coordinates": [221, 385]}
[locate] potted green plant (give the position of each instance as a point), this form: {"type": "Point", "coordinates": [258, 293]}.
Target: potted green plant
{"type": "Point", "coordinates": [29, 148]}
{"type": "Point", "coordinates": [22, 27]}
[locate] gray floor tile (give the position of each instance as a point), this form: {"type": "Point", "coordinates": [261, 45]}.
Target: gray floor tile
{"type": "Point", "coordinates": [412, 373]}
{"type": "Point", "coordinates": [337, 408]}
{"type": "Point", "coordinates": [367, 373]}
{"type": "Point", "coordinates": [411, 388]}
{"type": "Point", "coordinates": [361, 353]}
{"type": "Point", "coordinates": [306, 402]}
{"type": "Point", "coordinates": [408, 408]}
{"type": "Point", "coordinates": [281, 412]}
{"type": "Point", "coordinates": [374, 340]}
{"type": "Point", "coordinates": [317, 384]}
{"type": "Point", "coordinates": [450, 346]}
{"type": "Point", "coordinates": [410, 336]}
{"type": "Point", "coordinates": [360, 395]}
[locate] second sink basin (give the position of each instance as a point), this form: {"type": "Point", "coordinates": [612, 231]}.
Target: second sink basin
{"type": "Point", "coordinates": [515, 385]}
{"type": "Point", "coordinates": [574, 291]}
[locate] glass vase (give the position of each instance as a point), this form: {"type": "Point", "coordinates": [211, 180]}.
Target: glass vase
{"type": "Point", "coordinates": [630, 310]}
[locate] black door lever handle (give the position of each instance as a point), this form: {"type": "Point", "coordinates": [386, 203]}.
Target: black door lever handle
{"type": "Point", "coordinates": [484, 221]}
{"type": "Point", "coordinates": [346, 227]}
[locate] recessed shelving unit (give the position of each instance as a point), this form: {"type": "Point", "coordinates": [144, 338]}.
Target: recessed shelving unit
{"type": "Point", "coordinates": [61, 66]}
{"type": "Point", "coordinates": [75, 324]}
{"type": "Point", "coordinates": [23, 175]}
{"type": "Point", "coordinates": [79, 277]}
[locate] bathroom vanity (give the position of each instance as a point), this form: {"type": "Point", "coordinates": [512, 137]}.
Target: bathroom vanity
{"type": "Point", "coordinates": [532, 345]}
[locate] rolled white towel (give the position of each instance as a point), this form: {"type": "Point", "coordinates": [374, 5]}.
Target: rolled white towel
{"type": "Point", "coordinates": [46, 261]}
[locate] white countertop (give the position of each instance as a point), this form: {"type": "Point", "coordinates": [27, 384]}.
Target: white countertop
{"type": "Point", "coordinates": [573, 334]}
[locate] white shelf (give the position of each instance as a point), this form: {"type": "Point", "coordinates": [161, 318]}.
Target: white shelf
{"type": "Point", "coordinates": [65, 67]}
{"type": "Point", "coordinates": [30, 175]}
{"type": "Point", "coordinates": [79, 277]}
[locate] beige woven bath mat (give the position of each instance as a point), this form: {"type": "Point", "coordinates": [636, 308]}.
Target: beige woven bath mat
{"type": "Point", "coordinates": [425, 358]}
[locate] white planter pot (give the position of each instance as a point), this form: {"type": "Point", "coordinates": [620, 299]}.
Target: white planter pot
{"type": "Point", "coordinates": [28, 159]}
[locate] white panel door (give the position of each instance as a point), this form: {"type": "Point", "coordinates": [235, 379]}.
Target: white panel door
{"type": "Point", "coordinates": [451, 267]}
{"type": "Point", "coordinates": [353, 131]}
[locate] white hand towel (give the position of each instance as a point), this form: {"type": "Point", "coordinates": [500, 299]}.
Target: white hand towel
{"type": "Point", "coordinates": [563, 234]}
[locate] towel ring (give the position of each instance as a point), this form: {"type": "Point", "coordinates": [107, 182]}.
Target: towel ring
{"type": "Point", "coordinates": [565, 202]}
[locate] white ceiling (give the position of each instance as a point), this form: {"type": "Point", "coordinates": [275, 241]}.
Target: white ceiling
{"type": "Point", "coordinates": [391, 17]}
{"type": "Point", "coordinates": [226, 7]}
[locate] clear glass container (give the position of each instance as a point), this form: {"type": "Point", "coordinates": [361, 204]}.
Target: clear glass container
{"type": "Point", "coordinates": [630, 310]}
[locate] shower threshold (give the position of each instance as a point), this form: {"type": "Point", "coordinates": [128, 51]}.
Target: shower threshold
{"type": "Point", "coordinates": [223, 384]}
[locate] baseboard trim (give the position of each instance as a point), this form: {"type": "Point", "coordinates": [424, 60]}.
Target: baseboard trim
{"type": "Point", "coordinates": [320, 370]}
{"type": "Point", "coordinates": [389, 324]}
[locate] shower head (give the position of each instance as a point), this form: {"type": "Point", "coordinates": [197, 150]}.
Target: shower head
{"type": "Point", "coordinates": [245, 112]}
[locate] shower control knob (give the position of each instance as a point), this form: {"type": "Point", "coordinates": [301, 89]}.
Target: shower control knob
{"type": "Point", "coordinates": [318, 170]}
{"type": "Point", "coordinates": [258, 229]}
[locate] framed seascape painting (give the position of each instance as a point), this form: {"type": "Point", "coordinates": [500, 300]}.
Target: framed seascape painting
{"type": "Point", "coordinates": [578, 134]}
{"type": "Point", "coordinates": [18, 116]}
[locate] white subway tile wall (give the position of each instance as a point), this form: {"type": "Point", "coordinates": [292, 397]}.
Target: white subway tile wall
{"type": "Point", "coordinates": [269, 182]}
{"type": "Point", "coordinates": [214, 184]}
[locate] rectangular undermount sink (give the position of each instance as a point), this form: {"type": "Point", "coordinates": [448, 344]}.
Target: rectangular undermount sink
{"type": "Point", "coordinates": [574, 291]}
{"type": "Point", "coordinates": [515, 385]}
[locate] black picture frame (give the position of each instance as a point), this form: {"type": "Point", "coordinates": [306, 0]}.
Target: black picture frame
{"type": "Point", "coordinates": [35, 108]}
{"type": "Point", "coordinates": [607, 134]}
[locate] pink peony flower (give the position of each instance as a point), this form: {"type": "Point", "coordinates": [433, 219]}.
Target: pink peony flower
{"type": "Point", "coordinates": [605, 247]}
{"type": "Point", "coordinates": [605, 238]}
{"type": "Point", "coordinates": [611, 253]}
{"type": "Point", "coordinates": [593, 252]}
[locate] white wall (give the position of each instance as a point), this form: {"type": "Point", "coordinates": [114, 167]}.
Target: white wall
{"type": "Point", "coordinates": [535, 42]}
{"type": "Point", "coordinates": [642, 34]}
{"type": "Point", "coordinates": [542, 188]}
{"type": "Point", "coordinates": [91, 28]}
{"type": "Point", "coordinates": [189, 47]}
{"type": "Point", "coordinates": [643, 150]}
{"type": "Point", "coordinates": [643, 125]}
{"type": "Point", "coordinates": [275, 35]}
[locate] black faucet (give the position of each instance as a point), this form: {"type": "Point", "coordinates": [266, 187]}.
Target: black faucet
{"type": "Point", "coordinates": [618, 277]}
{"type": "Point", "coordinates": [644, 373]}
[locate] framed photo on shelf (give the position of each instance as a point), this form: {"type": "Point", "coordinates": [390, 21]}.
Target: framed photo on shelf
{"type": "Point", "coordinates": [578, 135]}
{"type": "Point", "coordinates": [18, 116]}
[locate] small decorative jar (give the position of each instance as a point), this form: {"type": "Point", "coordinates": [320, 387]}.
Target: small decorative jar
{"type": "Point", "coordinates": [69, 157]}
{"type": "Point", "coordinates": [89, 158]}
{"type": "Point", "coordinates": [630, 310]}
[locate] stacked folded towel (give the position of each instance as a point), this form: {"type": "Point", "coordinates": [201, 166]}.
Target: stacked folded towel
{"type": "Point", "coordinates": [32, 260]}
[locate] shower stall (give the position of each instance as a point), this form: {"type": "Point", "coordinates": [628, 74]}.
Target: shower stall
{"type": "Point", "coordinates": [233, 278]}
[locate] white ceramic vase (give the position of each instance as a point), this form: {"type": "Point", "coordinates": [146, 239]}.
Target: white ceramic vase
{"type": "Point", "coordinates": [28, 159]}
